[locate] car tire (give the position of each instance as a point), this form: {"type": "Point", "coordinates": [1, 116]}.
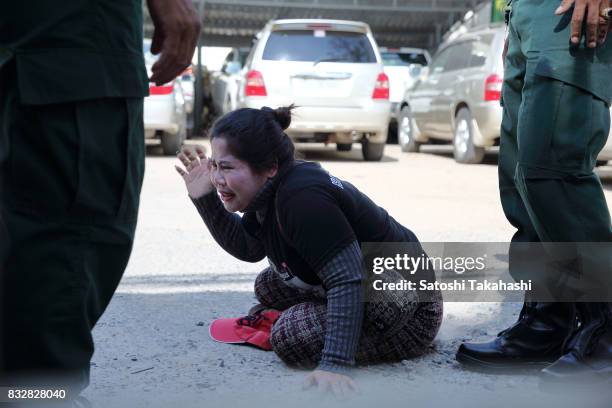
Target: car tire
{"type": "Point", "coordinates": [405, 131]}
{"type": "Point", "coordinates": [189, 126]}
{"type": "Point", "coordinates": [372, 151]}
{"type": "Point", "coordinates": [171, 143]}
{"type": "Point", "coordinates": [392, 136]}
{"type": "Point", "coordinates": [464, 149]}
{"type": "Point", "coordinates": [344, 147]}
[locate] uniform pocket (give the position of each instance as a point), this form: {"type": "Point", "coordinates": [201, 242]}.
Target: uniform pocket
{"type": "Point", "coordinates": [40, 146]}
{"type": "Point", "coordinates": [573, 127]}
{"type": "Point", "coordinates": [110, 160]}
{"type": "Point", "coordinates": [134, 159]}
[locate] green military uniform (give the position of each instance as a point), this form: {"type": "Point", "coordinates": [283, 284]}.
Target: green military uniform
{"type": "Point", "coordinates": [72, 82]}
{"type": "Point", "coordinates": [556, 120]}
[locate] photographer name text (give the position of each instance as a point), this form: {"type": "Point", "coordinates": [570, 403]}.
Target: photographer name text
{"type": "Point", "coordinates": [455, 285]}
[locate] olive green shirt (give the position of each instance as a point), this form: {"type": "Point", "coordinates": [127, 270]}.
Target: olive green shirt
{"type": "Point", "coordinates": [547, 40]}
{"type": "Point", "coordinates": [73, 50]}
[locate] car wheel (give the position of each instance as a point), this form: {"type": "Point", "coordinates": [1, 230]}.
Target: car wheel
{"type": "Point", "coordinates": [171, 143]}
{"type": "Point", "coordinates": [189, 126]}
{"type": "Point", "coordinates": [405, 131]}
{"type": "Point", "coordinates": [464, 149]}
{"type": "Point", "coordinates": [344, 147]}
{"type": "Point", "coordinates": [372, 151]}
{"type": "Point", "coordinates": [392, 136]}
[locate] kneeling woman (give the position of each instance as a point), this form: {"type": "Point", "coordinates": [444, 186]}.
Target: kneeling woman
{"type": "Point", "coordinates": [310, 225]}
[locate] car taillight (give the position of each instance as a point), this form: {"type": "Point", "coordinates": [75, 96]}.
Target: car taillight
{"type": "Point", "coordinates": [381, 89]}
{"type": "Point", "coordinates": [319, 26]}
{"type": "Point", "coordinates": [161, 90]}
{"type": "Point", "coordinates": [493, 87]}
{"type": "Point", "coordinates": [255, 85]}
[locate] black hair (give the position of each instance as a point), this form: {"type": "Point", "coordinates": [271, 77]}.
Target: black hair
{"type": "Point", "coordinates": [257, 136]}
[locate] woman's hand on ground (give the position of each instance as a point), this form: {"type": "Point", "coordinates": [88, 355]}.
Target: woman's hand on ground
{"type": "Point", "coordinates": [340, 385]}
{"type": "Point", "coordinates": [197, 171]}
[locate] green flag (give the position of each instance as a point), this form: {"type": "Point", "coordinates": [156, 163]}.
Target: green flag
{"type": "Point", "coordinates": [497, 10]}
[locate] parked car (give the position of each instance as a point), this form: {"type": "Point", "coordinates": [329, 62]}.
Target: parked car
{"type": "Point", "coordinates": [403, 67]}
{"type": "Point", "coordinates": [226, 82]}
{"type": "Point", "coordinates": [188, 87]}
{"type": "Point", "coordinates": [332, 70]}
{"type": "Point", "coordinates": [457, 98]}
{"type": "Point", "coordinates": [165, 116]}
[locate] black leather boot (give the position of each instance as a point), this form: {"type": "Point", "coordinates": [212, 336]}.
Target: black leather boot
{"type": "Point", "coordinates": [536, 340]}
{"type": "Point", "coordinates": [588, 357]}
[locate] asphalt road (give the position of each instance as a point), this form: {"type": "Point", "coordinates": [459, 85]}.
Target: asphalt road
{"type": "Point", "coordinates": [153, 347]}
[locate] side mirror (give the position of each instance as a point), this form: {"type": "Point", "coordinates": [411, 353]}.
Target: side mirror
{"type": "Point", "coordinates": [423, 72]}
{"type": "Point", "coordinates": [232, 68]}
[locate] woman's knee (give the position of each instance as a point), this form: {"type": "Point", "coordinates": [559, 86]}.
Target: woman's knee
{"type": "Point", "coordinates": [387, 311]}
{"type": "Point", "coordinates": [412, 338]}
{"type": "Point", "coordinates": [264, 285]}
{"type": "Point", "coordinates": [298, 335]}
{"type": "Point", "coordinates": [421, 331]}
{"type": "Point", "coordinates": [428, 321]}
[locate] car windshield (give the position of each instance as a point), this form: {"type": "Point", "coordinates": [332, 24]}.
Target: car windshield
{"type": "Point", "coordinates": [403, 59]}
{"type": "Point", "coordinates": [319, 46]}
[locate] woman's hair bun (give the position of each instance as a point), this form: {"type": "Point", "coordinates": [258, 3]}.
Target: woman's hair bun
{"type": "Point", "coordinates": [283, 116]}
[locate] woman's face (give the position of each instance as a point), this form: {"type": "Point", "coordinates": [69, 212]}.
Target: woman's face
{"type": "Point", "coordinates": [233, 178]}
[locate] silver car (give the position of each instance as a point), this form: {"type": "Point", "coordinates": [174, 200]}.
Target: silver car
{"type": "Point", "coordinates": [457, 97]}
{"type": "Point", "coordinates": [332, 71]}
{"type": "Point", "coordinates": [227, 81]}
{"type": "Point", "coordinates": [402, 66]}
{"type": "Point", "coordinates": [165, 116]}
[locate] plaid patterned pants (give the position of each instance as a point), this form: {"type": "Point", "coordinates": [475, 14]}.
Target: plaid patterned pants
{"type": "Point", "coordinates": [396, 325]}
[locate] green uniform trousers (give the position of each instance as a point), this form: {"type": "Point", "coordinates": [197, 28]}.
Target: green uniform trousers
{"type": "Point", "coordinates": [72, 175]}
{"type": "Point", "coordinates": [556, 120]}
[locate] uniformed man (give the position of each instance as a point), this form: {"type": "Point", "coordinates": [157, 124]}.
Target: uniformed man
{"type": "Point", "coordinates": [72, 82]}
{"type": "Point", "coordinates": [556, 96]}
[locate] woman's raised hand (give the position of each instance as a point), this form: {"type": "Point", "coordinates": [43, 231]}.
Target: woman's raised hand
{"type": "Point", "coordinates": [197, 171]}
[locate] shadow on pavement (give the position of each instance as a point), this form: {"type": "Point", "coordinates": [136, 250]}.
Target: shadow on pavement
{"type": "Point", "coordinates": [330, 154]}
{"type": "Point", "coordinates": [491, 156]}
{"type": "Point", "coordinates": [152, 349]}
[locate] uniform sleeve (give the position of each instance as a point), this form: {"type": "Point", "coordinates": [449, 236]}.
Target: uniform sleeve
{"type": "Point", "coordinates": [227, 229]}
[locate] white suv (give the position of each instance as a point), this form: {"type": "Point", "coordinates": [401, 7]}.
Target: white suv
{"type": "Point", "coordinates": [332, 71]}
{"type": "Point", "coordinates": [165, 114]}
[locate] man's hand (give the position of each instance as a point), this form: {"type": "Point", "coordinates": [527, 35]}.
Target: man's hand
{"type": "Point", "coordinates": [325, 381]}
{"type": "Point", "coordinates": [176, 33]}
{"type": "Point", "coordinates": [597, 27]}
